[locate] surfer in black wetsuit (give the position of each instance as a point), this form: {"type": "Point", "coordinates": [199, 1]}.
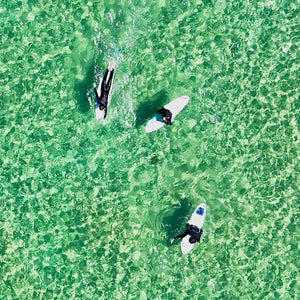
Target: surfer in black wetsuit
{"type": "Point", "coordinates": [105, 88]}
{"type": "Point", "coordinates": [193, 231]}
{"type": "Point", "coordinates": [167, 115]}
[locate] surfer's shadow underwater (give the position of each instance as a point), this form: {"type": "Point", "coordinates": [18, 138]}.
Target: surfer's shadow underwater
{"type": "Point", "coordinates": [174, 221]}
{"type": "Point", "coordinates": [85, 91]}
{"type": "Point", "coordinates": [81, 90]}
{"type": "Point", "coordinates": [146, 110]}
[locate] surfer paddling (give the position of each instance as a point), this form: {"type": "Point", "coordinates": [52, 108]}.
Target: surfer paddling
{"type": "Point", "coordinates": [167, 116]}
{"type": "Point", "coordinates": [193, 231]}
{"type": "Point", "coordinates": [102, 100]}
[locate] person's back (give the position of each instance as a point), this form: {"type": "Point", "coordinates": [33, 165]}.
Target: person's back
{"type": "Point", "coordinates": [193, 231]}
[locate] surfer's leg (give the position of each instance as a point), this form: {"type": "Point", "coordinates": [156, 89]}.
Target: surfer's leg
{"type": "Point", "coordinates": [97, 96]}
{"type": "Point", "coordinates": [111, 75]}
{"type": "Point", "coordinates": [105, 75]}
{"type": "Point", "coordinates": [107, 87]}
{"type": "Point", "coordinates": [103, 81]}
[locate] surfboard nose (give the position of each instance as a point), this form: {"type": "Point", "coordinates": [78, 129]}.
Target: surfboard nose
{"type": "Point", "coordinates": [200, 211]}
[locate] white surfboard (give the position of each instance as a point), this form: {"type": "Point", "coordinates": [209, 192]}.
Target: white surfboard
{"type": "Point", "coordinates": [99, 114]}
{"type": "Point", "coordinates": [174, 107]}
{"type": "Point", "coordinates": [197, 219]}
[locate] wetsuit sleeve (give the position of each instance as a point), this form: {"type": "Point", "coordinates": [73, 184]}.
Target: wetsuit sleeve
{"type": "Point", "coordinates": [181, 236]}
{"type": "Point", "coordinates": [185, 234]}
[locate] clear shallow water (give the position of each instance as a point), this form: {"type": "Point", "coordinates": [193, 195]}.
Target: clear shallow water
{"type": "Point", "coordinates": [88, 211]}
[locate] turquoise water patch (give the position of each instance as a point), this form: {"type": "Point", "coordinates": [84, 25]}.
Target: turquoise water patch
{"type": "Point", "coordinates": [89, 211]}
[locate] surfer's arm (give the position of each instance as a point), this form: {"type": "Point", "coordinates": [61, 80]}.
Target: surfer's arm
{"type": "Point", "coordinates": [181, 236]}
{"type": "Point", "coordinates": [178, 236]}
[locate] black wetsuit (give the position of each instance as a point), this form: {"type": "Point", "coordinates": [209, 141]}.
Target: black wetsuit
{"type": "Point", "coordinates": [193, 231]}
{"type": "Point", "coordinates": [105, 88]}
{"type": "Point", "coordinates": [166, 113]}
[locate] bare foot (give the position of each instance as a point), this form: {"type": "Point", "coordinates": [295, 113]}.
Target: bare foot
{"type": "Point", "coordinates": [111, 65]}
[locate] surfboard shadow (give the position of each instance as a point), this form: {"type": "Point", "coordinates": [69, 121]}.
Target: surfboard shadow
{"type": "Point", "coordinates": [81, 88]}
{"type": "Point", "coordinates": [145, 111]}
{"type": "Point", "coordinates": [175, 223]}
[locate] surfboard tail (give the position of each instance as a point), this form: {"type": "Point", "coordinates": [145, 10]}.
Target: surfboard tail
{"type": "Point", "coordinates": [186, 246]}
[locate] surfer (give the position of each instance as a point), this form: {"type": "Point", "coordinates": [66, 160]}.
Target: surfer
{"type": "Point", "coordinates": [193, 231]}
{"type": "Point", "coordinates": [105, 88]}
{"type": "Point", "coordinates": [167, 115]}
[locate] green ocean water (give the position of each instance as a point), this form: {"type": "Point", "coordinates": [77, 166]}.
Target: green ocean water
{"type": "Point", "coordinates": [88, 211]}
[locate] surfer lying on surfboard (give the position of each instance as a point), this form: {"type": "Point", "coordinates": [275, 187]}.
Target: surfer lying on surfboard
{"type": "Point", "coordinates": [193, 231]}
{"type": "Point", "coordinates": [105, 88]}
{"type": "Point", "coordinates": [167, 115]}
